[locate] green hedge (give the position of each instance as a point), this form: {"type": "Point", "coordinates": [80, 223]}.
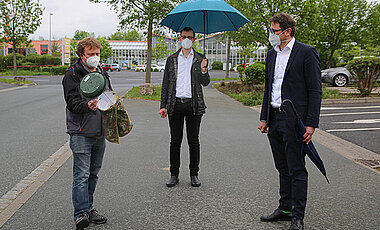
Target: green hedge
{"type": "Point", "coordinates": [255, 74]}
{"type": "Point", "coordinates": [217, 65]}
{"type": "Point", "coordinates": [30, 59]}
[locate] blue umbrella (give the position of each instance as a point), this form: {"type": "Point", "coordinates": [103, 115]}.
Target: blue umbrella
{"type": "Point", "coordinates": [307, 149]}
{"type": "Point", "coordinates": [205, 16]}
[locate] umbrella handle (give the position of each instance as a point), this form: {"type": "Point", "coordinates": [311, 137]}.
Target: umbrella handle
{"type": "Point", "coordinates": [291, 103]}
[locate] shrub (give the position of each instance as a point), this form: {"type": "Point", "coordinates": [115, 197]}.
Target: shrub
{"type": "Point", "coordinates": [217, 65]}
{"type": "Point", "coordinates": [8, 60]}
{"type": "Point", "coordinates": [341, 64]}
{"type": "Point", "coordinates": [58, 70]}
{"type": "Point", "coordinates": [365, 71]}
{"type": "Point", "coordinates": [255, 74]}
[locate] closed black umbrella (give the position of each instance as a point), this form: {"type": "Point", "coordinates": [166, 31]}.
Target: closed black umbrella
{"type": "Point", "coordinates": [307, 149]}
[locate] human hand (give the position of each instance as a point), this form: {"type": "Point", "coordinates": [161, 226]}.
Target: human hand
{"type": "Point", "coordinates": [204, 65]}
{"type": "Point", "coordinates": [93, 104]}
{"type": "Point", "coordinates": [263, 127]}
{"type": "Point", "coordinates": [163, 112]}
{"type": "Point", "coordinates": [308, 134]}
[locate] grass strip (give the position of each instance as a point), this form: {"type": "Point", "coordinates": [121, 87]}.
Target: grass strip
{"type": "Point", "coordinates": [24, 73]}
{"type": "Point", "coordinates": [134, 93]}
{"type": "Point", "coordinates": [12, 81]}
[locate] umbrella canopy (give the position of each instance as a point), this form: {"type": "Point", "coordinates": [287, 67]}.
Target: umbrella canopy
{"type": "Point", "coordinates": [307, 149]}
{"type": "Point", "coordinates": [205, 16]}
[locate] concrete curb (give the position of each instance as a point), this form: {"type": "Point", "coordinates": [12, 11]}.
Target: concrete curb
{"type": "Point", "coordinates": [18, 87]}
{"type": "Point", "coordinates": [22, 191]}
{"type": "Point", "coordinates": [351, 100]}
{"type": "Point", "coordinates": [345, 148]}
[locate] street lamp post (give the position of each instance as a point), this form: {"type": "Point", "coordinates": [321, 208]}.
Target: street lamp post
{"type": "Point", "coordinates": [50, 33]}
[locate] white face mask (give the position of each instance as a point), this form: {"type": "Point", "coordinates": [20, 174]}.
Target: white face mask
{"type": "Point", "coordinates": [187, 43]}
{"type": "Point", "coordinates": [275, 40]}
{"type": "Point", "coordinates": [93, 61]}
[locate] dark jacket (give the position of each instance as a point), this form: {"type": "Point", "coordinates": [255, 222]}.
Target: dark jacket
{"type": "Point", "coordinates": [301, 84]}
{"type": "Point", "coordinates": [168, 91]}
{"type": "Point", "coordinates": [80, 119]}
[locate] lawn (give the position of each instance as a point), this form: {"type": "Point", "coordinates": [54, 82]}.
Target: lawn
{"type": "Point", "coordinates": [12, 81]}
{"type": "Point", "coordinates": [134, 93]}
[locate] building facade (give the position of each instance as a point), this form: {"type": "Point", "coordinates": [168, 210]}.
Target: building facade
{"type": "Point", "coordinates": [128, 53]}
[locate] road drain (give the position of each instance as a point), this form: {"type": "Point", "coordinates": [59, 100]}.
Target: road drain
{"type": "Point", "coordinates": [375, 164]}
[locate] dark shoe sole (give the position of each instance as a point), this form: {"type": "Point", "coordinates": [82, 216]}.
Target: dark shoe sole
{"type": "Point", "coordinates": [278, 219]}
{"type": "Point", "coordinates": [196, 185]}
{"type": "Point", "coordinates": [98, 222]}
{"type": "Point", "coordinates": [83, 224]}
{"type": "Point", "coordinates": [172, 185]}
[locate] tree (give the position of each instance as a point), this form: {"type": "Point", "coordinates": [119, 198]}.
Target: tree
{"type": "Point", "coordinates": [55, 49]}
{"type": "Point", "coordinates": [160, 50]}
{"type": "Point", "coordinates": [18, 19]}
{"type": "Point", "coordinates": [106, 50]}
{"type": "Point", "coordinates": [142, 14]}
{"type": "Point", "coordinates": [131, 35]}
{"type": "Point", "coordinates": [80, 34]}
{"type": "Point", "coordinates": [259, 12]}
{"type": "Point", "coordinates": [340, 17]}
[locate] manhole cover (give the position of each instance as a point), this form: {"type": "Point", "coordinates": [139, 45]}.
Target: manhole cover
{"type": "Point", "coordinates": [371, 163]}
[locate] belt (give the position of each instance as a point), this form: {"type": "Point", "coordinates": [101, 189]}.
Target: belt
{"type": "Point", "coordinates": [277, 110]}
{"type": "Point", "coordinates": [183, 100]}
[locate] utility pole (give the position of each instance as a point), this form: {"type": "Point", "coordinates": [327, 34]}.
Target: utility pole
{"type": "Point", "coordinates": [50, 33]}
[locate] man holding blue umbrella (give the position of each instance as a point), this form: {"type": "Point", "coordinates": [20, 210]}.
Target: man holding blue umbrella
{"type": "Point", "coordinates": [182, 99]}
{"type": "Point", "coordinates": [292, 72]}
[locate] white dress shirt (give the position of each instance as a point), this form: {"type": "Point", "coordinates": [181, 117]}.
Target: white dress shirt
{"type": "Point", "coordinates": [279, 72]}
{"type": "Point", "coordinates": [183, 87]}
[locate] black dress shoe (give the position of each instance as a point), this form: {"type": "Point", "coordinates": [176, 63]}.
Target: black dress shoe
{"type": "Point", "coordinates": [172, 181]}
{"type": "Point", "coordinates": [297, 224]}
{"type": "Point", "coordinates": [195, 182]}
{"type": "Point", "coordinates": [277, 215]}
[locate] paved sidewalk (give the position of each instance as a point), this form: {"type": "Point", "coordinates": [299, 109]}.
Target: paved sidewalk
{"type": "Point", "coordinates": [239, 182]}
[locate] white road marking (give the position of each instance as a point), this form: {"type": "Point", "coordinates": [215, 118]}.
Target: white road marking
{"type": "Point", "coordinates": [351, 130]}
{"type": "Point", "coordinates": [367, 121]}
{"type": "Point", "coordinates": [338, 108]}
{"type": "Point", "coordinates": [342, 114]}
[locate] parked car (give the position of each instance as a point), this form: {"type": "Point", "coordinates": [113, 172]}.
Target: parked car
{"type": "Point", "coordinates": [140, 68]}
{"type": "Point", "coordinates": [160, 68]}
{"type": "Point", "coordinates": [116, 67]}
{"type": "Point", "coordinates": [107, 67]}
{"type": "Point", "coordinates": [339, 76]}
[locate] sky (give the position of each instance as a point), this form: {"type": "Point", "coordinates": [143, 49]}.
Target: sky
{"type": "Point", "coordinates": [71, 15]}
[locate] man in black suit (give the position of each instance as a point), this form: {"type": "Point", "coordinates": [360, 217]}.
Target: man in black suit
{"type": "Point", "coordinates": [292, 72]}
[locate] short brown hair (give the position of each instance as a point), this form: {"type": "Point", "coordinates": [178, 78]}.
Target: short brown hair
{"type": "Point", "coordinates": [286, 21]}
{"type": "Point", "coordinates": [88, 42]}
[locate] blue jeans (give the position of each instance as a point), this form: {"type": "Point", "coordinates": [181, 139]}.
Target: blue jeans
{"type": "Point", "coordinates": [88, 157]}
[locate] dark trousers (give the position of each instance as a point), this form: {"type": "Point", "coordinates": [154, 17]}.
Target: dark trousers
{"type": "Point", "coordinates": [290, 163]}
{"type": "Point", "coordinates": [184, 111]}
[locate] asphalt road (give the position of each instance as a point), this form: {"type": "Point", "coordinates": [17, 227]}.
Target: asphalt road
{"type": "Point", "coordinates": [358, 123]}
{"type": "Point", "coordinates": [239, 182]}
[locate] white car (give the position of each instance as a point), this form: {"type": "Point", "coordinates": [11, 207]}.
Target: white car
{"type": "Point", "coordinates": [160, 68]}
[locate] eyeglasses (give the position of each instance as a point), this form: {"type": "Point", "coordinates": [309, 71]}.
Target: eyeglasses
{"type": "Point", "coordinates": [273, 30]}
{"type": "Point", "coordinates": [189, 37]}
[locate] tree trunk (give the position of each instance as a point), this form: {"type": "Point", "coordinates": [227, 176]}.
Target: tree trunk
{"type": "Point", "coordinates": [228, 58]}
{"type": "Point", "coordinates": [149, 61]}
{"type": "Point", "coordinates": [14, 62]}
{"type": "Point", "coordinates": [330, 59]}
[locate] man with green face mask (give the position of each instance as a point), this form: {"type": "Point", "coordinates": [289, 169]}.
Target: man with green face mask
{"type": "Point", "coordinates": [292, 72]}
